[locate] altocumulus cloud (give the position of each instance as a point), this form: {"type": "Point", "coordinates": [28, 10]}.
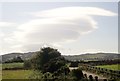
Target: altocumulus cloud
{"type": "Point", "coordinates": [59, 25]}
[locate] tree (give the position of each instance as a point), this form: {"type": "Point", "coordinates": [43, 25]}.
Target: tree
{"type": "Point", "coordinates": [18, 59]}
{"type": "Point", "coordinates": [44, 56]}
{"type": "Point", "coordinates": [54, 65]}
{"type": "Point", "coordinates": [15, 59]}
{"type": "Point", "coordinates": [77, 73]}
{"type": "Point", "coordinates": [74, 64]}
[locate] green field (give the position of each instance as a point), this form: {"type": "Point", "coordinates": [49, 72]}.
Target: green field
{"type": "Point", "coordinates": [12, 65]}
{"type": "Point", "coordinates": [111, 67]}
{"type": "Point", "coordinates": [16, 74]}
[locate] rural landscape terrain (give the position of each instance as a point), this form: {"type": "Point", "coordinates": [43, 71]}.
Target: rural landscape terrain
{"type": "Point", "coordinates": [49, 65]}
{"type": "Point", "coordinates": [59, 41]}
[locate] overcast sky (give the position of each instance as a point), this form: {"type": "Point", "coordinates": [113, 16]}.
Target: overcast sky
{"type": "Point", "coordinates": [71, 27]}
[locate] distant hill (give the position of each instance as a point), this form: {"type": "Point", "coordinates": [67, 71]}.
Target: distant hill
{"type": "Point", "coordinates": [88, 56]}
{"type": "Point", "coordinates": [10, 56]}
{"type": "Point", "coordinates": [95, 56]}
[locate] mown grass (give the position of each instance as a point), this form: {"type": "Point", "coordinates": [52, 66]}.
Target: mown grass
{"type": "Point", "coordinates": [12, 65]}
{"type": "Point", "coordinates": [16, 74]}
{"type": "Point", "coordinates": [111, 67]}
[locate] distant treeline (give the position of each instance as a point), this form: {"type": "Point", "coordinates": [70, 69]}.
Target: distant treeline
{"type": "Point", "coordinates": [95, 63]}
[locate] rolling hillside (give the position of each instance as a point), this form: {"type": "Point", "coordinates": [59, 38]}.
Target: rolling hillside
{"type": "Point", "coordinates": [88, 56]}
{"type": "Point", "coordinates": [95, 56]}
{"type": "Point", "coordinates": [24, 56]}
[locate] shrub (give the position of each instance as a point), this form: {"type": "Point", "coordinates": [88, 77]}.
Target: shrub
{"type": "Point", "coordinates": [27, 64]}
{"type": "Point", "coordinates": [77, 73]}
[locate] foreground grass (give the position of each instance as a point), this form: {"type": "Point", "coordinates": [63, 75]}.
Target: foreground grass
{"type": "Point", "coordinates": [12, 65]}
{"type": "Point", "coordinates": [111, 67]}
{"type": "Point", "coordinates": [16, 74]}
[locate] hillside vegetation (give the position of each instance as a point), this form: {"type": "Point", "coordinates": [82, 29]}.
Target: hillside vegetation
{"type": "Point", "coordinates": [89, 56]}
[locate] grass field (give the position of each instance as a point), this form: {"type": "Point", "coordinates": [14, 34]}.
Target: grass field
{"type": "Point", "coordinates": [12, 65]}
{"type": "Point", "coordinates": [16, 74]}
{"type": "Point", "coordinates": [111, 67]}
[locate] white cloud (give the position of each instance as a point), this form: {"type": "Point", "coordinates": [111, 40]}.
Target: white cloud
{"type": "Point", "coordinates": [7, 28]}
{"type": "Point", "coordinates": [7, 39]}
{"type": "Point", "coordinates": [61, 24]}
{"type": "Point", "coordinates": [55, 26]}
{"type": "Point", "coordinates": [6, 24]}
{"type": "Point", "coordinates": [55, 29]}
{"type": "Point", "coordinates": [73, 12]}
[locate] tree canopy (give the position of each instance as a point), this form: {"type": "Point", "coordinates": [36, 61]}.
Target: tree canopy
{"type": "Point", "coordinates": [44, 56]}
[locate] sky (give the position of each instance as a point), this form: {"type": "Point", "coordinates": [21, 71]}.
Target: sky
{"type": "Point", "coordinates": [71, 27]}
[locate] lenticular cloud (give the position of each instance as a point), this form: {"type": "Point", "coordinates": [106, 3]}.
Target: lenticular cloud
{"type": "Point", "coordinates": [57, 30]}
{"type": "Point", "coordinates": [73, 12]}
{"type": "Point", "coordinates": [60, 25]}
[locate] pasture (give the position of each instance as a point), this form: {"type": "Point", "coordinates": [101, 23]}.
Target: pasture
{"type": "Point", "coordinates": [12, 65]}
{"type": "Point", "coordinates": [111, 67]}
{"type": "Point", "coordinates": [26, 74]}
{"type": "Point", "coordinates": [16, 74]}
